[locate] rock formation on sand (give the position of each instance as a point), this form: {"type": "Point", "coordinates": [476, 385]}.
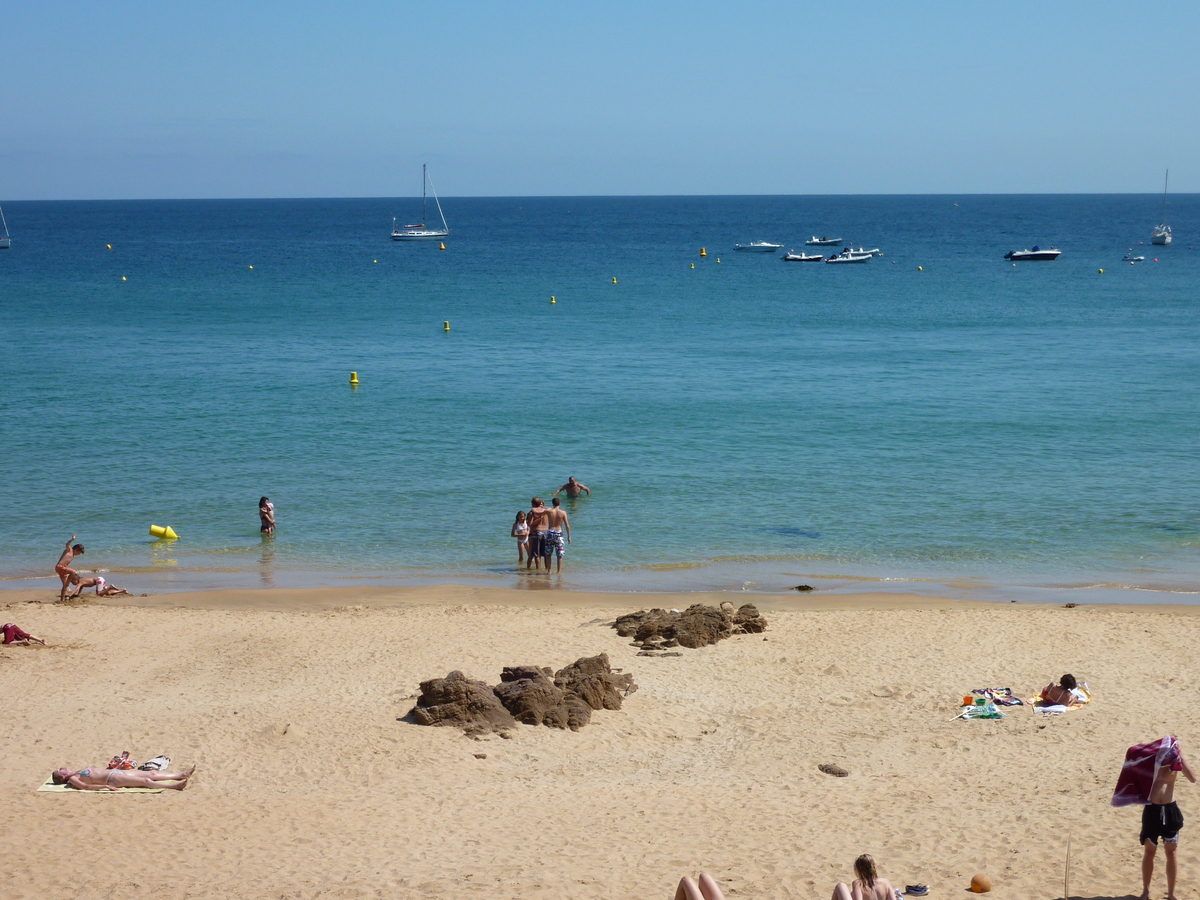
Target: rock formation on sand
{"type": "Point", "coordinates": [527, 694]}
{"type": "Point", "coordinates": [696, 626]}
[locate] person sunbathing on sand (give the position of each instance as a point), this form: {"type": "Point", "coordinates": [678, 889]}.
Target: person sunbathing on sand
{"type": "Point", "coordinates": [103, 587]}
{"type": "Point", "coordinates": [868, 885]}
{"type": "Point", "coordinates": [1061, 694]}
{"type": "Point", "coordinates": [14, 634]}
{"type": "Point", "coordinates": [98, 778]}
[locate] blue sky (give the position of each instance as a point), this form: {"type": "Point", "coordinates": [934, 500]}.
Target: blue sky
{"type": "Point", "coordinates": [305, 99]}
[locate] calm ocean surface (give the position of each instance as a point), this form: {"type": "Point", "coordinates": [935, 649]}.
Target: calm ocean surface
{"type": "Point", "coordinates": [744, 424]}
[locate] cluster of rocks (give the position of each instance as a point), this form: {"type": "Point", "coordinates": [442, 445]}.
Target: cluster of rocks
{"type": "Point", "coordinates": [656, 630]}
{"type": "Point", "coordinates": [527, 694]}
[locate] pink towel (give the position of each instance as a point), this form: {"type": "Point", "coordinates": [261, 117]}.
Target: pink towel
{"type": "Point", "coordinates": [1142, 762]}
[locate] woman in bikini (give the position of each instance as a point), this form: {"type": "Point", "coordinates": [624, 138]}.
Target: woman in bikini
{"type": "Point", "coordinates": [63, 569]}
{"type": "Point", "coordinates": [97, 778]}
{"type": "Point", "coordinates": [868, 885]}
{"type": "Point", "coordinates": [520, 531]}
{"type": "Point", "coordinates": [266, 516]}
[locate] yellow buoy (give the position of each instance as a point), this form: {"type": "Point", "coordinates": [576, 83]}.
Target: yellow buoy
{"type": "Point", "coordinates": [167, 533]}
{"type": "Point", "coordinates": [552, 300]}
{"type": "Point", "coordinates": [693, 265]}
{"type": "Point", "coordinates": [1101, 271]}
{"type": "Point", "coordinates": [920, 268]}
{"type": "Point", "coordinates": [354, 378]}
{"type": "Point", "coordinates": [252, 267]}
{"type": "Point", "coordinates": [375, 260]}
{"type": "Point", "coordinates": [441, 246]}
{"type": "Point", "coordinates": [445, 326]}
{"type": "Point", "coordinates": [718, 259]}
{"type": "Point", "coordinates": [614, 279]}
{"type": "Point", "coordinates": [703, 252]}
{"type": "Point", "coordinates": [109, 246]}
{"type": "Point", "coordinates": [123, 278]}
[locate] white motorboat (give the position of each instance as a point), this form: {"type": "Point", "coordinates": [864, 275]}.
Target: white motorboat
{"type": "Point", "coordinates": [846, 256]}
{"type": "Point", "coordinates": [1128, 257]}
{"type": "Point", "coordinates": [823, 241]}
{"type": "Point", "coordinates": [757, 247]}
{"type": "Point", "coordinates": [1162, 234]}
{"type": "Point", "coordinates": [793, 256]}
{"type": "Point", "coordinates": [6, 241]}
{"type": "Point", "coordinates": [422, 232]}
{"type": "Point", "coordinates": [864, 252]}
{"type": "Point", "coordinates": [1037, 253]}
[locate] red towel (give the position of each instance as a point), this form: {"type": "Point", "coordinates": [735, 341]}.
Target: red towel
{"type": "Point", "coordinates": [1142, 762]}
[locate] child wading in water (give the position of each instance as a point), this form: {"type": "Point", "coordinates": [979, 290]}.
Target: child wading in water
{"type": "Point", "coordinates": [520, 531]}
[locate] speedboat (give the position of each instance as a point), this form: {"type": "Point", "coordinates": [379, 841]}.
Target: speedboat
{"type": "Point", "coordinates": [822, 241]}
{"type": "Point", "coordinates": [1037, 253]}
{"type": "Point", "coordinates": [793, 256]}
{"type": "Point", "coordinates": [757, 247]}
{"type": "Point", "coordinates": [847, 256]}
{"type": "Point", "coordinates": [863, 252]}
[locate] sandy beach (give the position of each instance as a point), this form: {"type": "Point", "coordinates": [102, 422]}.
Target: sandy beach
{"type": "Point", "coordinates": [311, 783]}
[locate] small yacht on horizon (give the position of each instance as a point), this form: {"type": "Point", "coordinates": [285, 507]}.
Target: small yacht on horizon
{"type": "Point", "coordinates": [421, 232]}
{"type": "Point", "coordinates": [1037, 253]}
{"type": "Point", "coordinates": [757, 247]}
{"type": "Point", "coordinates": [823, 241]}
{"type": "Point", "coordinates": [1162, 234]}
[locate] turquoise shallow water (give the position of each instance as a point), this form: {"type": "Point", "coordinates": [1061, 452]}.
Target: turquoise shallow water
{"type": "Point", "coordinates": [743, 423]}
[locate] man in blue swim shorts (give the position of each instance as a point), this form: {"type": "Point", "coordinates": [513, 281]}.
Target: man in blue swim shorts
{"type": "Point", "coordinates": [558, 523]}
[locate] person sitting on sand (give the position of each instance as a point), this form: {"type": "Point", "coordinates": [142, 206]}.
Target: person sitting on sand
{"type": "Point", "coordinates": [1061, 694]}
{"type": "Point", "coordinates": [63, 569]}
{"type": "Point", "coordinates": [868, 885]}
{"type": "Point", "coordinates": [103, 588]}
{"type": "Point", "coordinates": [98, 778]}
{"type": "Point", "coordinates": [13, 634]}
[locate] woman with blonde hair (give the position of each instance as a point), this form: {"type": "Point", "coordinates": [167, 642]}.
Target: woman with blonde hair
{"type": "Point", "coordinates": [868, 885]}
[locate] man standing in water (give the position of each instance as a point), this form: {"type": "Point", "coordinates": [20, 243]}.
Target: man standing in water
{"type": "Point", "coordinates": [558, 521]}
{"type": "Point", "coordinates": [573, 487]}
{"type": "Point", "coordinates": [1161, 818]}
{"type": "Point", "coordinates": [539, 533]}
{"type": "Point", "coordinates": [63, 569]}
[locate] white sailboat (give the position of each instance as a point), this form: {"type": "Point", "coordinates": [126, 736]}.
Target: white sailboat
{"type": "Point", "coordinates": [1162, 234]}
{"type": "Point", "coordinates": [422, 232]}
{"type": "Point", "coordinates": [6, 241]}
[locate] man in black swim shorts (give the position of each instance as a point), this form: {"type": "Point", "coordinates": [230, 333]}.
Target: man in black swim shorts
{"type": "Point", "coordinates": [1161, 818]}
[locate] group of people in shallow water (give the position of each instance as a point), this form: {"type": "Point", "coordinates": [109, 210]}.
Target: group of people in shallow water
{"type": "Point", "coordinates": [540, 533]}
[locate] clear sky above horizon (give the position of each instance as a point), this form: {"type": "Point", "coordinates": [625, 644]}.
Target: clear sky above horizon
{"type": "Point", "coordinates": [305, 99]}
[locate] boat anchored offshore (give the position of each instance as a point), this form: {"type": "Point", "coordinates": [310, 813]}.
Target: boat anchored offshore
{"type": "Point", "coordinates": [1162, 234]}
{"type": "Point", "coordinates": [1129, 257]}
{"type": "Point", "coordinates": [421, 232]}
{"type": "Point", "coordinates": [1037, 253]}
{"type": "Point", "coordinates": [793, 256]}
{"type": "Point", "coordinates": [861, 251]}
{"type": "Point", "coordinates": [757, 247]}
{"type": "Point", "coordinates": [6, 240]}
{"type": "Point", "coordinates": [849, 256]}
{"type": "Point", "coordinates": [822, 241]}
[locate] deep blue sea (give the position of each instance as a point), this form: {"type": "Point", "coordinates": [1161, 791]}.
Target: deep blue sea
{"type": "Point", "coordinates": [936, 419]}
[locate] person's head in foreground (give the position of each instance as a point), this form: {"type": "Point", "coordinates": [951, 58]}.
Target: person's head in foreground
{"type": "Point", "coordinates": [864, 868]}
{"type": "Point", "coordinates": [262, 502]}
{"type": "Point", "coordinates": [520, 515]}
{"type": "Point", "coordinates": [1068, 682]}
{"type": "Point", "coordinates": [77, 549]}
{"type": "Point", "coordinates": [536, 502]}
{"type": "Point", "coordinates": [557, 503]}
{"type": "Point", "coordinates": [60, 776]}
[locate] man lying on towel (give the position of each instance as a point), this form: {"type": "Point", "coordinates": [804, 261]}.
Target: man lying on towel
{"type": "Point", "coordinates": [97, 778]}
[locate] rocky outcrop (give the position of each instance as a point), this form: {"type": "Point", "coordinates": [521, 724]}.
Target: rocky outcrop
{"type": "Point", "coordinates": [525, 694]}
{"type": "Point", "coordinates": [458, 700]}
{"type": "Point", "coordinates": [696, 626]}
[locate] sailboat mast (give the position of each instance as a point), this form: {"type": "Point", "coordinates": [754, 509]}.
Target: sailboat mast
{"type": "Point", "coordinates": [1166, 179]}
{"type": "Point", "coordinates": [424, 178]}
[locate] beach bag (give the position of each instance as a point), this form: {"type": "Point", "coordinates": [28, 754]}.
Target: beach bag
{"type": "Point", "coordinates": [122, 762]}
{"type": "Point", "coordinates": [158, 764]}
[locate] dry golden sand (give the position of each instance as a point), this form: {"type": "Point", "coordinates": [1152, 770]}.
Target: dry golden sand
{"type": "Point", "coordinates": [309, 785]}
